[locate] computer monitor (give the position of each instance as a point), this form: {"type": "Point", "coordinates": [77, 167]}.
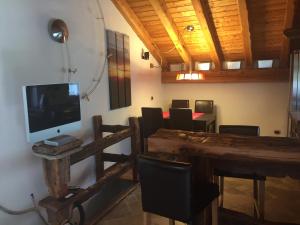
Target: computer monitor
{"type": "Point", "coordinates": [51, 110]}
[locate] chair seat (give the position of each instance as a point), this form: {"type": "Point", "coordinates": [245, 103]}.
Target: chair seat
{"type": "Point", "coordinates": [204, 195]}
{"type": "Point", "coordinates": [227, 173]}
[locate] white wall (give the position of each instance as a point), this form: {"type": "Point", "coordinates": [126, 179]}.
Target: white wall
{"type": "Point", "coordinates": [29, 56]}
{"type": "Point", "coordinates": [262, 104]}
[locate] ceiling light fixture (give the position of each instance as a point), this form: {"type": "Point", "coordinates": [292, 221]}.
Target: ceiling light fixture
{"type": "Point", "coordinates": [189, 76]}
{"type": "Point", "coordinates": [190, 28]}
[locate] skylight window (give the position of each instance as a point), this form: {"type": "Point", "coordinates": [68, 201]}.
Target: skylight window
{"type": "Point", "coordinates": [232, 65]}
{"type": "Point", "coordinates": [177, 67]}
{"type": "Point", "coordinates": [203, 66]}
{"type": "Point", "coordinates": [265, 63]}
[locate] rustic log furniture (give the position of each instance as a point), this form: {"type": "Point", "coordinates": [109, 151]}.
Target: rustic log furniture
{"type": "Point", "coordinates": [258, 181]}
{"type": "Point", "coordinates": [57, 169]}
{"type": "Point", "coordinates": [267, 156]}
{"type": "Point", "coordinates": [168, 189]}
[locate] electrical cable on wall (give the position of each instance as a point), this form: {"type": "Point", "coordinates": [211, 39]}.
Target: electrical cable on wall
{"type": "Point", "coordinates": [68, 61]}
{"type": "Point", "coordinates": [25, 211]}
{"type": "Point", "coordinates": [36, 209]}
{"type": "Point", "coordinates": [99, 75]}
{"type": "Point", "coordinates": [161, 60]}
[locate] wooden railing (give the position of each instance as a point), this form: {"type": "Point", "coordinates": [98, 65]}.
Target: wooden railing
{"type": "Point", "coordinates": [57, 168]}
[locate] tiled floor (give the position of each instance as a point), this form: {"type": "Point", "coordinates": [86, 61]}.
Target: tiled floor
{"type": "Point", "coordinates": [282, 203]}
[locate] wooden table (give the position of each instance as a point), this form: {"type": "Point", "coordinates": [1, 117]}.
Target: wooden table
{"type": "Point", "coordinates": [205, 122]}
{"type": "Point", "coordinates": [269, 156]}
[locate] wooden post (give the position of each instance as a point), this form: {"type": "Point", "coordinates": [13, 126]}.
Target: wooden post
{"type": "Point", "coordinates": [221, 191]}
{"type": "Point", "coordinates": [135, 142]}
{"type": "Point", "coordinates": [204, 171]}
{"type": "Point", "coordinates": [57, 176]}
{"type": "Point", "coordinates": [98, 134]}
{"type": "Point", "coordinates": [255, 196]}
{"type": "Point", "coordinates": [59, 217]}
{"type": "Point", "coordinates": [261, 197]}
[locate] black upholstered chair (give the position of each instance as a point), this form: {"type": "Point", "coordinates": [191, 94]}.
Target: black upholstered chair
{"type": "Point", "coordinates": [152, 120]}
{"type": "Point", "coordinates": [258, 181]}
{"type": "Point", "coordinates": [168, 190]}
{"type": "Point", "coordinates": [181, 119]}
{"type": "Point", "coordinates": [180, 103]}
{"type": "Point", "coordinates": [204, 106]}
{"type": "Point", "coordinates": [239, 130]}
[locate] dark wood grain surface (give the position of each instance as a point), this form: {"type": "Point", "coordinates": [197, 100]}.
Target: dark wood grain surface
{"type": "Point", "coordinates": [273, 156]}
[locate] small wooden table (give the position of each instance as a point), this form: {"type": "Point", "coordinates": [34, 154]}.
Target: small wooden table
{"type": "Point", "coordinates": [269, 156]}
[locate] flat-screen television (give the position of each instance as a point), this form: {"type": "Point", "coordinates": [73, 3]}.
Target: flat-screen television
{"type": "Point", "coordinates": [51, 110]}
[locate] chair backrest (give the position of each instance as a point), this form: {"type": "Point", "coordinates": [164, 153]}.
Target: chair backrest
{"type": "Point", "coordinates": [204, 106]}
{"type": "Point", "coordinates": [181, 119]}
{"type": "Point", "coordinates": [166, 188]}
{"type": "Point", "coordinates": [152, 120]}
{"type": "Point", "coordinates": [239, 130]}
{"type": "Point", "coordinates": [180, 103]}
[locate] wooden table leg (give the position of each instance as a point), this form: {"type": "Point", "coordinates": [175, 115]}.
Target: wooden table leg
{"type": "Point", "coordinates": [204, 171]}
{"type": "Point", "coordinates": [58, 217]}
{"type": "Point", "coordinates": [57, 175]}
{"type": "Point", "coordinates": [215, 214]}
{"type": "Point", "coordinates": [146, 218]}
{"type": "Point", "coordinates": [255, 196]}
{"type": "Point", "coordinates": [221, 191]}
{"type": "Point", "coordinates": [261, 199]}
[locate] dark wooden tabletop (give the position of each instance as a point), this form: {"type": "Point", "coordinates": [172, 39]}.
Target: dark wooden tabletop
{"type": "Point", "coordinates": [281, 155]}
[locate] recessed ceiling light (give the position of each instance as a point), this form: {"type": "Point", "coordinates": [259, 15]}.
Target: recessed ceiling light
{"type": "Point", "coordinates": [190, 28]}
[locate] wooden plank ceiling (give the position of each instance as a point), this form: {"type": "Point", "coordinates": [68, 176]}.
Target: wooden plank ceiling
{"type": "Point", "coordinates": [224, 30]}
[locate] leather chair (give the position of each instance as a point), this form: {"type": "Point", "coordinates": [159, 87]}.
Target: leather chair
{"type": "Point", "coordinates": [204, 106]}
{"type": "Point", "coordinates": [181, 119]}
{"type": "Point", "coordinates": [258, 181]}
{"type": "Point", "coordinates": [239, 130]}
{"type": "Point", "coordinates": [152, 120]}
{"type": "Point", "coordinates": [180, 103]}
{"type": "Point", "coordinates": [168, 190]}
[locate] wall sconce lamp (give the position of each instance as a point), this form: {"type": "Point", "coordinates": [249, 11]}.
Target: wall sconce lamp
{"type": "Point", "coordinates": [58, 30]}
{"type": "Point", "coordinates": [145, 55]}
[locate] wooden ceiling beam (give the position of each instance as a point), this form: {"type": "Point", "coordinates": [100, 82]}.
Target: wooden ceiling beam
{"type": "Point", "coordinates": [242, 6]}
{"type": "Point", "coordinates": [202, 10]}
{"type": "Point", "coordinates": [288, 23]}
{"type": "Point", "coordinates": [233, 76]}
{"type": "Point", "coordinates": [162, 12]}
{"type": "Point", "coordinates": [139, 29]}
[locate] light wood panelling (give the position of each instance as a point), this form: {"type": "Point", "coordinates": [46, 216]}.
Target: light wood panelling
{"type": "Point", "coordinates": [138, 27]}
{"type": "Point", "coordinates": [266, 25]}
{"type": "Point", "coordinates": [161, 10]}
{"type": "Point", "coordinates": [245, 30]}
{"type": "Point", "coordinates": [229, 28]}
{"type": "Point", "coordinates": [288, 22]}
{"type": "Point", "coordinates": [205, 20]}
{"type": "Point", "coordinates": [242, 6]}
